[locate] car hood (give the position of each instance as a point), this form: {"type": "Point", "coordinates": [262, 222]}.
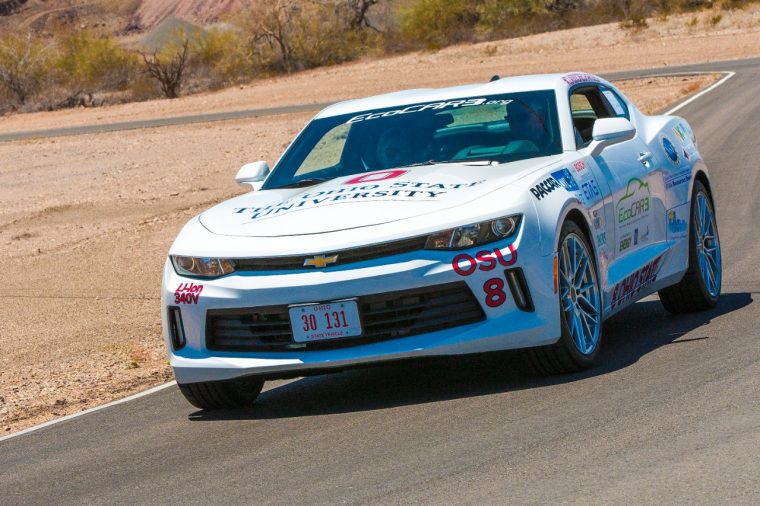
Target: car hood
{"type": "Point", "coordinates": [362, 200]}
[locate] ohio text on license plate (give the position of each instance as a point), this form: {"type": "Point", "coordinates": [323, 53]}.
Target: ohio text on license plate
{"type": "Point", "coordinates": [320, 322]}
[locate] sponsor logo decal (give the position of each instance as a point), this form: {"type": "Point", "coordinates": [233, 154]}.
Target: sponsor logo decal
{"type": "Point", "coordinates": [187, 293]}
{"type": "Point", "coordinates": [597, 219]}
{"type": "Point", "coordinates": [635, 202]}
{"type": "Point", "coordinates": [601, 239]}
{"type": "Point", "coordinates": [678, 225]}
{"type": "Point", "coordinates": [566, 180]}
{"type": "Point", "coordinates": [320, 261]}
{"type": "Point", "coordinates": [590, 191]}
{"type": "Point", "coordinates": [670, 149]}
{"type": "Point", "coordinates": [625, 242]}
{"type": "Point", "coordinates": [376, 176]}
{"type": "Point", "coordinates": [398, 190]}
{"type": "Point", "coordinates": [544, 188]}
{"type": "Point", "coordinates": [434, 106]}
{"type": "Point", "coordinates": [634, 283]}
{"type": "Point", "coordinates": [579, 166]}
{"type": "Point", "coordinates": [686, 154]}
{"type": "Point", "coordinates": [677, 179]}
{"type": "Point", "coordinates": [680, 131]}
{"type": "Point", "coordinates": [579, 77]}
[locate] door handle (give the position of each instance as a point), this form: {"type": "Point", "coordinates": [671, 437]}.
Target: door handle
{"type": "Point", "coordinates": [645, 157]}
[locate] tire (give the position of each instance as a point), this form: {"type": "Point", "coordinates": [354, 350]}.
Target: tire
{"type": "Point", "coordinates": [573, 352]}
{"type": "Point", "coordinates": [699, 289]}
{"type": "Point", "coordinates": [231, 394]}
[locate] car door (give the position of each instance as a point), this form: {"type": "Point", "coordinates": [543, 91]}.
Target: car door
{"type": "Point", "coordinates": [630, 211]}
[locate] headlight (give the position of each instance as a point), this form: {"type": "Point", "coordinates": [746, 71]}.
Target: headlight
{"type": "Point", "coordinates": [469, 236]}
{"type": "Point", "coordinates": [202, 267]}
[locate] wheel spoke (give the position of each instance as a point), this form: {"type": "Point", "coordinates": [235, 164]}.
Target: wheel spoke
{"type": "Point", "coordinates": [586, 306]}
{"type": "Point", "coordinates": [580, 271]}
{"type": "Point", "coordinates": [565, 264]}
{"type": "Point", "coordinates": [580, 337]}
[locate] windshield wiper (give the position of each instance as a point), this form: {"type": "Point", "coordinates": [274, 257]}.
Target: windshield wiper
{"type": "Point", "coordinates": [311, 181]}
{"type": "Point", "coordinates": [474, 161]}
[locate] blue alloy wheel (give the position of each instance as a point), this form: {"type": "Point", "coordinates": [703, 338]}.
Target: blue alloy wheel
{"type": "Point", "coordinates": [707, 244]}
{"type": "Point", "coordinates": [579, 294]}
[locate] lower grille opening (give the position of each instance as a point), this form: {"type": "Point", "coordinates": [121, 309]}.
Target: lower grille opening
{"type": "Point", "coordinates": [384, 316]}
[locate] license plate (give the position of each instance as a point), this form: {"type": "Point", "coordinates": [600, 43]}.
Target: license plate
{"type": "Point", "coordinates": [321, 322]}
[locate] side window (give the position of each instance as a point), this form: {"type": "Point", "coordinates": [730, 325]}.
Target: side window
{"type": "Point", "coordinates": [615, 102]}
{"type": "Point", "coordinates": [586, 106]}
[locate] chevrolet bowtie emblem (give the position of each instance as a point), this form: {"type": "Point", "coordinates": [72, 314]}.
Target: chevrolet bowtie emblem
{"type": "Point", "coordinates": [320, 261]}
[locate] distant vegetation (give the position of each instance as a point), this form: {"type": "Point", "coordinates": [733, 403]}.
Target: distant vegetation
{"type": "Point", "coordinates": [76, 67]}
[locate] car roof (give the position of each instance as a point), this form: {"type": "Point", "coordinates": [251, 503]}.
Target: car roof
{"type": "Point", "coordinates": [558, 82]}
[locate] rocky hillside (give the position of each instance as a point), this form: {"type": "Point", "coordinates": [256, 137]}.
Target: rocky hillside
{"type": "Point", "coordinates": [151, 12]}
{"type": "Point", "coordinates": [112, 17]}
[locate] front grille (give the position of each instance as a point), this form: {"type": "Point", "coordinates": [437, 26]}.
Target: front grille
{"type": "Point", "coordinates": [384, 316]}
{"type": "Point", "coordinates": [345, 256]}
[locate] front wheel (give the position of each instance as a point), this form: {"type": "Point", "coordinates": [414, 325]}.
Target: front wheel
{"type": "Point", "coordinates": [699, 289]}
{"type": "Point", "coordinates": [230, 394]}
{"type": "Point", "coordinates": [580, 302]}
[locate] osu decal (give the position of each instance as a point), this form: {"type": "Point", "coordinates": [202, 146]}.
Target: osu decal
{"type": "Point", "coordinates": [486, 260]}
{"type": "Point", "coordinates": [187, 293]}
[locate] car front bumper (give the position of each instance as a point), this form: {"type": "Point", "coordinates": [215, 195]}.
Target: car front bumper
{"type": "Point", "coordinates": [504, 325]}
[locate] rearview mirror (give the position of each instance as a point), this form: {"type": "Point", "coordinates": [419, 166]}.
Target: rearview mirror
{"type": "Point", "coordinates": [253, 174]}
{"type": "Point", "coordinates": [608, 132]}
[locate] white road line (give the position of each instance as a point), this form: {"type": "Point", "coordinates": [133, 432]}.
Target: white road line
{"type": "Point", "coordinates": [271, 386]}
{"type": "Point", "coordinates": [728, 76]}
{"type": "Point", "coordinates": [88, 411]}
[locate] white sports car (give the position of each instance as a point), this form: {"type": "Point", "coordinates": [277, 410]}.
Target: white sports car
{"type": "Point", "coordinates": [518, 213]}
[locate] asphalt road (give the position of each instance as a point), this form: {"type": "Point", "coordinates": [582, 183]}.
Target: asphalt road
{"type": "Point", "coordinates": [672, 414]}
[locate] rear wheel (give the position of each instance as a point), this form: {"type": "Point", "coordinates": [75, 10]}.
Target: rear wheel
{"type": "Point", "coordinates": [699, 289]}
{"type": "Point", "coordinates": [580, 303]}
{"type": "Point", "coordinates": [230, 394]}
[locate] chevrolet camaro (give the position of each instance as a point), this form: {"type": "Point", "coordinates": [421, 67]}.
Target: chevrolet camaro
{"type": "Point", "coordinates": [518, 213]}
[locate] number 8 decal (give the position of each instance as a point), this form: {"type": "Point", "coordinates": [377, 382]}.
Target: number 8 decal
{"type": "Point", "coordinates": [494, 289]}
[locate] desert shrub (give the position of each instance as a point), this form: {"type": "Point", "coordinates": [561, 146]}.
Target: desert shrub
{"type": "Point", "coordinates": [437, 23]}
{"type": "Point", "coordinates": [222, 56]}
{"type": "Point", "coordinates": [287, 35]}
{"type": "Point", "coordinates": [89, 64]}
{"type": "Point", "coordinates": [169, 67]}
{"type": "Point", "coordinates": [26, 66]}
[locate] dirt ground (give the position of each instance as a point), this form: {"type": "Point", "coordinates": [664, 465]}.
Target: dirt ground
{"type": "Point", "coordinates": [85, 222]}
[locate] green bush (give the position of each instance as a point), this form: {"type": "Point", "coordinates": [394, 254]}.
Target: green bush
{"type": "Point", "coordinates": [90, 64]}
{"type": "Point", "coordinates": [222, 56]}
{"type": "Point", "coordinates": [437, 23]}
{"type": "Point", "coordinates": [25, 66]}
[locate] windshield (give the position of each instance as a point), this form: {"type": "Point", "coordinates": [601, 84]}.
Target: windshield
{"type": "Point", "coordinates": [495, 128]}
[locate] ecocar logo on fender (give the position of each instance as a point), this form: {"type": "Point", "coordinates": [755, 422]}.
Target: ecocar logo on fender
{"type": "Point", "coordinates": [635, 202]}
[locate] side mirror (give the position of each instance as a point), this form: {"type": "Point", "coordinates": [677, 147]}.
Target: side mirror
{"type": "Point", "coordinates": [608, 132]}
{"type": "Point", "coordinates": [253, 174]}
